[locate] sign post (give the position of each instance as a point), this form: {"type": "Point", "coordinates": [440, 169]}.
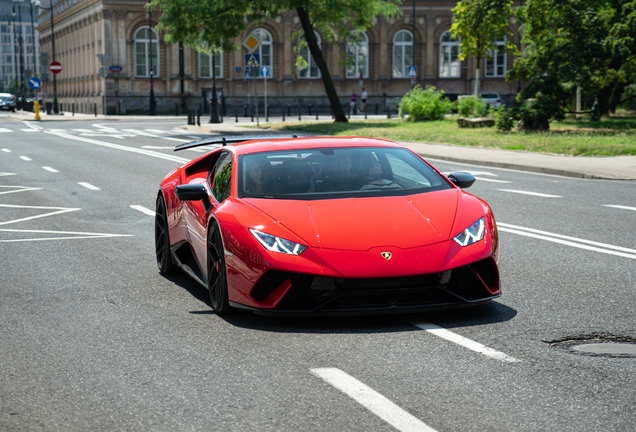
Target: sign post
{"type": "Point", "coordinates": [265, 74]}
{"type": "Point", "coordinates": [36, 84]}
{"type": "Point", "coordinates": [252, 63]}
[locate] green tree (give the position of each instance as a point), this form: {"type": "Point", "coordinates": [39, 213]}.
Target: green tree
{"type": "Point", "coordinates": [211, 25]}
{"type": "Point", "coordinates": [479, 23]}
{"type": "Point", "coordinates": [589, 43]}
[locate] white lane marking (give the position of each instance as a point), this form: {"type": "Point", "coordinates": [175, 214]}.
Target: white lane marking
{"type": "Point", "coordinates": [531, 193]}
{"type": "Point", "coordinates": [5, 130]}
{"type": "Point", "coordinates": [143, 210]}
{"type": "Point", "coordinates": [84, 130]}
{"type": "Point", "coordinates": [620, 207]}
{"type": "Point", "coordinates": [6, 150]}
{"type": "Point", "coordinates": [491, 180]}
{"type": "Point", "coordinates": [60, 211]}
{"type": "Point", "coordinates": [88, 186]}
{"type": "Point", "coordinates": [139, 132]}
{"type": "Point", "coordinates": [49, 169]}
{"type": "Point", "coordinates": [6, 174]}
{"type": "Point", "coordinates": [25, 158]}
{"type": "Point", "coordinates": [568, 241]}
{"type": "Point", "coordinates": [121, 147]}
{"type": "Point", "coordinates": [76, 235]}
{"type": "Point", "coordinates": [174, 131]}
{"type": "Point", "coordinates": [30, 130]}
{"type": "Point", "coordinates": [158, 147]}
{"type": "Point", "coordinates": [16, 188]}
{"type": "Point", "coordinates": [465, 342]}
{"type": "Point", "coordinates": [33, 126]}
{"type": "Point", "coordinates": [372, 400]}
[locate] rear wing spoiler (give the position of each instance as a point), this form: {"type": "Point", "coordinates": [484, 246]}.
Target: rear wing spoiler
{"type": "Point", "coordinates": [230, 140]}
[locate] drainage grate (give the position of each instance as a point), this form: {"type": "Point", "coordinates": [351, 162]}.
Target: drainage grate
{"type": "Point", "coordinates": [598, 346]}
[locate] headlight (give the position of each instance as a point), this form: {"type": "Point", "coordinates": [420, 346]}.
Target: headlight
{"type": "Point", "coordinates": [277, 244]}
{"type": "Point", "coordinates": [472, 234]}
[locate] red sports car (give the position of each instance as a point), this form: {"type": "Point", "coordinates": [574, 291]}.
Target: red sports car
{"type": "Point", "coordinates": [325, 226]}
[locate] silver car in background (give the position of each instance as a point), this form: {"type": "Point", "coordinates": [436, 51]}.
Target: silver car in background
{"type": "Point", "coordinates": [7, 101]}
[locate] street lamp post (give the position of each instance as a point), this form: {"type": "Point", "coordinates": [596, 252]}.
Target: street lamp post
{"type": "Point", "coordinates": [56, 109]}
{"type": "Point", "coordinates": [214, 103]}
{"type": "Point", "coordinates": [15, 51]}
{"type": "Point", "coordinates": [152, 103]}
{"type": "Point", "coordinates": [21, 58]}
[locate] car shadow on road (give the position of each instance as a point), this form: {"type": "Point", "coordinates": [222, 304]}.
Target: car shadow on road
{"type": "Point", "coordinates": [492, 313]}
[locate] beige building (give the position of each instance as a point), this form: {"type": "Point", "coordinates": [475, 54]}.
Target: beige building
{"type": "Point", "coordinates": [381, 60]}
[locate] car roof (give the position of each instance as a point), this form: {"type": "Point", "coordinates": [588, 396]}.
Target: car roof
{"type": "Point", "coordinates": [265, 145]}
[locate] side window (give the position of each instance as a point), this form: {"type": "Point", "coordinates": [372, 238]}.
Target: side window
{"type": "Point", "coordinates": [222, 174]}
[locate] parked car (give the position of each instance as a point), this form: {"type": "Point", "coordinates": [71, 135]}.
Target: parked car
{"type": "Point", "coordinates": [7, 101]}
{"type": "Point", "coordinates": [325, 225]}
{"type": "Point", "coordinates": [493, 99]}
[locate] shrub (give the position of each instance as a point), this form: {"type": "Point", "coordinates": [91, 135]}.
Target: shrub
{"type": "Point", "coordinates": [425, 104]}
{"type": "Point", "coordinates": [472, 107]}
{"type": "Point", "coordinates": [546, 97]}
{"type": "Point", "coordinates": [505, 120]}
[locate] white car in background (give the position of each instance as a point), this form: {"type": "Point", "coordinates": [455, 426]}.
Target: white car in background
{"type": "Point", "coordinates": [493, 99]}
{"type": "Point", "coordinates": [7, 101]}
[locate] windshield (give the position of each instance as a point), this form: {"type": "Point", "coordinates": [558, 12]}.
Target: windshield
{"type": "Point", "coordinates": [6, 98]}
{"type": "Point", "coordinates": [336, 173]}
{"type": "Point", "coordinates": [490, 95]}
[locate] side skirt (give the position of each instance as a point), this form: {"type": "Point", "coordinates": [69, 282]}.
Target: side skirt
{"type": "Point", "coordinates": [184, 257]}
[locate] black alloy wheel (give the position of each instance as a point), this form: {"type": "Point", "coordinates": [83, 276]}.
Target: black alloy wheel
{"type": "Point", "coordinates": [162, 239]}
{"type": "Point", "coordinates": [217, 275]}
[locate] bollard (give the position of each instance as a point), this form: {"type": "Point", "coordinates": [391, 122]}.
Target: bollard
{"type": "Point", "coordinates": [376, 109]}
{"type": "Point", "coordinates": [365, 112]}
{"type": "Point", "coordinates": [332, 116]}
{"type": "Point", "coordinates": [267, 113]}
{"type": "Point", "coordinates": [245, 110]}
{"type": "Point", "coordinates": [95, 104]}
{"type": "Point", "coordinates": [349, 113]}
{"type": "Point", "coordinates": [388, 112]}
{"type": "Point", "coordinates": [252, 112]}
{"type": "Point", "coordinates": [283, 113]}
{"type": "Point", "coordinates": [299, 118]}
{"type": "Point", "coordinates": [309, 109]}
{"type": "Point", "coordinates": [288, 110]}
{"type": "Point", "coordinates": [176, 109]}
{"type": "Point", "coordinates": [236, 114]}
{"type": "Point", "coordinates": [316, 112]}
{"type": "Point", "coordinates": [73, 107]}
{"type": "Point", "coordinates": [36, 109]}
{"type": "Point", "coordinates": [198, 117]}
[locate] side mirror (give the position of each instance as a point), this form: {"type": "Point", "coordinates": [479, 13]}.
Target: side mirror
{"type": "Point", "coordinates": [462, 179]}
{"type": "Point", "coordinates": [193, 192]}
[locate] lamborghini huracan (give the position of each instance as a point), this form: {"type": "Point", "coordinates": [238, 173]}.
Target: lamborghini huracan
{"type": "Point", "coordinates": [316, 225]}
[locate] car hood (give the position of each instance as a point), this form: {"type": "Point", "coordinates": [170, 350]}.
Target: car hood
{"type": "Point", "coordinates": [362, 223]}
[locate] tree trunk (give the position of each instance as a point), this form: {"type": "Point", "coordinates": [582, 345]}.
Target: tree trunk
{"type": "Point", "coordinates": [316, 53]}
{"type": "Point", "coordinates": [615, 98]}
{"type": "Point", "coordinates": [603, 96]}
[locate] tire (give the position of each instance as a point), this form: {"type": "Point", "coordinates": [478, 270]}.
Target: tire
{"type": "Point", "coordinates": [217, 274]}
{"type": "Point", "coordinates": [162, 240]}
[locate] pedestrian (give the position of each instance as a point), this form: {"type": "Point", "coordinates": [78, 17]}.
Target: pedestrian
{"type": "Point", "coordinates": [363, 105]}
{"type": "Point", "coordinates": [352, 105]}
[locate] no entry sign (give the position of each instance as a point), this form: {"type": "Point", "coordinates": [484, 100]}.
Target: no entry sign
{"type": "Point", "coordinates": [55, 67]}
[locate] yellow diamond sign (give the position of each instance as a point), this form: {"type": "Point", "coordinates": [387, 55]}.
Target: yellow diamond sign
{"type": "Point", "coordinates": [252, 43]}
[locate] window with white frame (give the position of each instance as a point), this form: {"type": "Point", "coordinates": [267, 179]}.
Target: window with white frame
{"type": "Point", "coordinates": [449, 63]}
{"type": "Point", "coordinates": [402, 53]}
{"type": "Point", "coordinates": [311, 71]}
{"type": "Point", "coordinates": [205, 65]}
{"type": "Point", "coordinates": [143, 51]}
{"type": "Point", "coordinates": [496, 59]}
{"type": "Point", "coordinates": [358, 55]}
{"type": "Point", "coordinates": [264, 51]}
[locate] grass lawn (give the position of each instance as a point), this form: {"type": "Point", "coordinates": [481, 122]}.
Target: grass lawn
{"type": "Point", "coordinates": [611, 137]}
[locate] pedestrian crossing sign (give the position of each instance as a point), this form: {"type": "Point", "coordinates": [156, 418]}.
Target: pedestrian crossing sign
{"type": "Point", "coordinates": [252, 60]}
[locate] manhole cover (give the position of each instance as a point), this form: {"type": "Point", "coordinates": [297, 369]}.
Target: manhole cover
{"type": "Point", "coordinates": [616, 347]}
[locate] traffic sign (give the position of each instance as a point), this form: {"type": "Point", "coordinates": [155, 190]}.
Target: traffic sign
{"type": "Point", "coordinates": [35, 83]}
{"type": "Point", "coordinates": [265, 71]}
{"type": "Point", "coordinates": [412, 71]}
{"type": "Point", "coordinates": [55, 67]}
{"type": "Point", "coordinates": [115, 68]}
{"type": "Point", "coordinates": [252, 43]}
{"type": "Point", "coordinates": [252, 60]}
{"type": "Point", "coordinates": [248, 74]}
{"type": "Point", "coordinates": [103, 72]}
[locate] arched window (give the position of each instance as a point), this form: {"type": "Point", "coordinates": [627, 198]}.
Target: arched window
{"type": "Point", "coordinates": [358, 56]}
{"type": "Point", "coordinates": [311, 71]}
{"type": "Point", "coordinates": [449, 64]}
{"type": "Point", "coordinates": [205, 65]}
{"type": "Point", "coordinates": [265, 50]}
{"type": "Point", "coordinates": [402, 53]}
{"type": "Point", "coordinates": [496, 59]}
{"type": "Point", "coordinates": [143, 51]}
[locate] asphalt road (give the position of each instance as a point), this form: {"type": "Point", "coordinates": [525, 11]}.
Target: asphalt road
{"type": "Point", "coordinates": [92, 337]}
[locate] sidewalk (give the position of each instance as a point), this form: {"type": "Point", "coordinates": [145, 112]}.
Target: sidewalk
{"type": "Point", "coordinates": [612, 167]}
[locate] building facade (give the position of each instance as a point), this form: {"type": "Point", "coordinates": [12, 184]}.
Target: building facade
{"type": "Point", "coordinates": [19, 41]}
{"type": "Point", "coordinates": [138, 58]}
